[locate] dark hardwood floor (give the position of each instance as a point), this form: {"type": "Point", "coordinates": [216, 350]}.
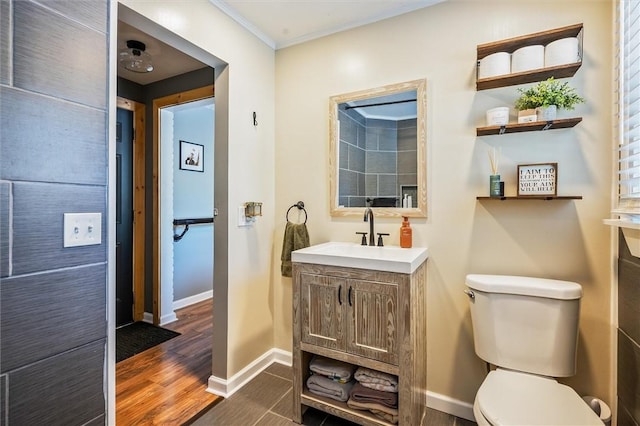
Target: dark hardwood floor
{"type": "Point", "coordinates": [166, 385]}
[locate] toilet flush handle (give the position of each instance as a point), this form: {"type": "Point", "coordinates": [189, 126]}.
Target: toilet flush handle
{"type": "Point", "coordinates": [470, 293]}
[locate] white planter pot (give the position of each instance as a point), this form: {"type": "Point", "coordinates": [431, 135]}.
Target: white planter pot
{"type": "Point", "coordinates": [547, 113]}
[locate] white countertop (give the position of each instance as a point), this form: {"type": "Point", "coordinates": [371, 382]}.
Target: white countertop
{"type": "Point", "coordinates": [350, 255]}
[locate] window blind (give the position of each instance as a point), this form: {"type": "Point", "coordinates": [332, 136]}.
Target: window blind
{"type": "Point", "coordinates": [629, 107]}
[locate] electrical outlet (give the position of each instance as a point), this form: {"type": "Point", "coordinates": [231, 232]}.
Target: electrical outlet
{"type": "Point", "coordinates": [82, 229]}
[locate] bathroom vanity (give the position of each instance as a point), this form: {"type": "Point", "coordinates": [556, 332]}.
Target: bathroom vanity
{"type": "Point", "coordinates": [365, 306]}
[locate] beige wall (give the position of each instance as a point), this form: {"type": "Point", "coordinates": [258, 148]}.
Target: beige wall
{"type": "Point", "coordinates": [251, 164]}
{"type": "Point", "coordinates": [561, 239]}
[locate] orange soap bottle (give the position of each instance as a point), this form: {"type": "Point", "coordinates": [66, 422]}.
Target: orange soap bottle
{"type": "Point", "coordinates": [406, 236]}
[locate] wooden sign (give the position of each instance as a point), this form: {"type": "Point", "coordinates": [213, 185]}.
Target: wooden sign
{"type": "Point", "coordinates": [537, 179]}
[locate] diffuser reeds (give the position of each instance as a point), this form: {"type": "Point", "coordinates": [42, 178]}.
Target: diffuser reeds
{"type": "Point", "coordinates": [493, 160]}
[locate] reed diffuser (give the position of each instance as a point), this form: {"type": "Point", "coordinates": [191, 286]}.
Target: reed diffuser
{"type": "Point", "coordinates": [495, 188]}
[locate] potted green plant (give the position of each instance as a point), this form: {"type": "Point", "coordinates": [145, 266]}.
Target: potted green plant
{"type": "Point", "coordinates": [545, 98]}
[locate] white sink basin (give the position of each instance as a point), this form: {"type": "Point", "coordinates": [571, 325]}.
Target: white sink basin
{"type": "Point", "coordinates": [350, 255]}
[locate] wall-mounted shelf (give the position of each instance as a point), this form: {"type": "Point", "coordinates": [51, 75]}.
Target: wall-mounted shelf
{"type": "Point", "coordinates": [532, 197]}
{"type": "Point", "coordinates": [513, 44]}
{"type": "Point", "coordinates": [528, 127]}
{"type": "Point", "coordinates": [561, 71]}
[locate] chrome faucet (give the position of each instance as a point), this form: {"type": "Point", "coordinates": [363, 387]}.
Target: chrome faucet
{"type": "Point", "coordinates": [368, 217]}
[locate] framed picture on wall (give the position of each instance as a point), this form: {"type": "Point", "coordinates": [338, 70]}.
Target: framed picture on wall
{"type": "Point", "coordinates": [537, 179]}
{"type": "Point", "coordinates": [191, 156]}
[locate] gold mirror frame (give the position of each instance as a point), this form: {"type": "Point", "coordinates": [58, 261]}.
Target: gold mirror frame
{"type": "Point", "coordinates": [420, 86]}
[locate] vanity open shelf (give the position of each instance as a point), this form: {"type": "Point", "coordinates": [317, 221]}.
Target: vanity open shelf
{"type": "Point", "coordinates": [532, 197]}
{"type": "Point", "coordinates": [563, 123]}
{"type": "Point", "coordinates": [513, 44]}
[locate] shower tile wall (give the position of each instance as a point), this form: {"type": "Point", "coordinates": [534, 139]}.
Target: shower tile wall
{"type": "Point", "coordinates": [351, 175]}
{"type": "Point", "coordinates": [53, 160]}
{"type": "Point", "coordinates": [628, 336]}
{"type": "Point", "coordinates": [407, 158]}
{"type": "Point", "coordinates": [376, 158]}
{"type": "Point", "coordinates": [382, 158]}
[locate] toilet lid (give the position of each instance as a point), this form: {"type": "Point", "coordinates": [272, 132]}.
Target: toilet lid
{"type": "Point", "coordinates": [514, 398]}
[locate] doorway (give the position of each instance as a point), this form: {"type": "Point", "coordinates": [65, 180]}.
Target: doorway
{"type": "Point", "coordinates": [166, 151]}
{"type": "Point", "coordinates": [218, 361]}
{"type": "Point", "coordinates": [151, 181]}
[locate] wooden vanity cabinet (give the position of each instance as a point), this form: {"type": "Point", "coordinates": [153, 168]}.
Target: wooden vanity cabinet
{"type": "Point", "coordinates": [373, 319]}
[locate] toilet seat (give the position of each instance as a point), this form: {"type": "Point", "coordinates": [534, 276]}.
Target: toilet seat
{"type": "Point", "coordinates": [514, 398]}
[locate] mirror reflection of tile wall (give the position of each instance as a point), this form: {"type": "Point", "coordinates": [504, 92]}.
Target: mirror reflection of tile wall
{"type": "Point", "coordinates": [377, 158]}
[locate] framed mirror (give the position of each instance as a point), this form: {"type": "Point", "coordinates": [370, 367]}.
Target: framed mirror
{"type": "Point", "coordinates": [378, 151]}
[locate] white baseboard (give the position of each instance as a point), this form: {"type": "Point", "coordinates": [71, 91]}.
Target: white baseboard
{"type": "Point", "coordinates": [226, 388]}
{"type": "Point", "coordinates": [188, 301]}
{"type": "Point", "coordinates": [178, 304]}
{"type": "Point", "coordinates": [166, 319]}
{"type": "Point", "coordinates": [450, 405]}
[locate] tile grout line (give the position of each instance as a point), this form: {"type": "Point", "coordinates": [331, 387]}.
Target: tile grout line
{"type": "Point", "coordinates": [276, 403]}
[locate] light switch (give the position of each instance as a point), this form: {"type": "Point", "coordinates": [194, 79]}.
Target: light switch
{"type": "Point", "coordinates": [82, 229]}
{"type": "Point", "coordinates": [243, 221]}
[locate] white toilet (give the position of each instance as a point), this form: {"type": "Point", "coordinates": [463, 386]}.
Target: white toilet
{"type": "Point", "coordinates": [527, 328]}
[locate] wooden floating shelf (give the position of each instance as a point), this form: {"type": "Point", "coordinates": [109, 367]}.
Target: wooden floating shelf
{"type": "Point", "coordinates": [543, 37]}
{"type": "Point", "coordinates": [561, 71]}
{"type": "Point", "coordinates": [563, 123]}
{"type": "Point", "coordinates": [532, 197]}
{"type": "Point", "coordinates": [513, 44]}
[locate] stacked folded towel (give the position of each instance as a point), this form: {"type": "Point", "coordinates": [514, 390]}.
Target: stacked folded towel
{"type": "Point", "coordinates": [331, 368]}
{"type": "Point", "coordinates": [330, 378]}
{"type": "Point", "coordinates": [377, 380]}
{"type": "Point", "coordinates": [324, 386]}
{"type": "Point", "coordinates": [376, 392]}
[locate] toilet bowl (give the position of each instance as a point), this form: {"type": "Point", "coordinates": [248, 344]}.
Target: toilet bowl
{"type": "Point", "coordinates": [514, 398]}
{"type": "Point", "coordinates": [528, 328]}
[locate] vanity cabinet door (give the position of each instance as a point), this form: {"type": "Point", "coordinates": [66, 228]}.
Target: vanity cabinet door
{"type": "Point", "coordinates": [323, 299]}
{"type": "Point", "coordinates": [373, 320]}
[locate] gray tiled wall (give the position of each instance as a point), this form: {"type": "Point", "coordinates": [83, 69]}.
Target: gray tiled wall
{"type": "Point", "coordinates": [628, 337]}
{"type": "Point", "coordinates": [53, 160]}
{"type": "Point", "coordinates": [351, 175]}
{"type": "Point", "coordinates": [408, 155]}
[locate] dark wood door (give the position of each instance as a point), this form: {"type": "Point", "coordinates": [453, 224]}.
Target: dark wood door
{"type": "Point", "coordinates": [124, 217]}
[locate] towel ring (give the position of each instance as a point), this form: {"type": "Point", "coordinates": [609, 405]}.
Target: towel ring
{"type": "Point", "coordinates": [300, 206]}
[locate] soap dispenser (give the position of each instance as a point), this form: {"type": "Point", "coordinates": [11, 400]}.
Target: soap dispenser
{"type": "Point", "coordinates": [406, 234]}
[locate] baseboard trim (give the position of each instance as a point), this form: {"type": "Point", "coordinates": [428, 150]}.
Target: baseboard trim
{"type": "Point", "coordinates": [166, 319]}
{"type": "Point", "coordinates": [178, 304]}
{"type": "Point", "coordinates": [226, 388]}
{"type": "Point", "coordinates": [191, 300]}
{"type": "Point", "coordinates": [450, 405]}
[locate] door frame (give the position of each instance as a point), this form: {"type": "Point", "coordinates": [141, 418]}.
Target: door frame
{"type": "Point", "coordinates": [159, 103]}
{"type": "Point", "coordinates": [139, 211]}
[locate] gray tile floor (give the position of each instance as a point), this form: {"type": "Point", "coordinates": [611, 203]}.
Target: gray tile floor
{"type": "Point", "coordinates": [267, 401]}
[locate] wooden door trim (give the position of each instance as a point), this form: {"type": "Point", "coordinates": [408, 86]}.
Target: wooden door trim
{"type": "Point", "coordinates": [166, 101]}
{"type": "Point", "coordinates": [138, 110]}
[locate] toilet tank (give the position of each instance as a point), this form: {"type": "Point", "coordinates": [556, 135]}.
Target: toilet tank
{"type": "Point", "coordinates": [525, 324]}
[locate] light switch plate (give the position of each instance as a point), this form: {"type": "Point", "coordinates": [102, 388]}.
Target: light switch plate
{"type": "Point", "coordinates": [243, 221]}
{"type": "Point", "coordinates": [82, 229]}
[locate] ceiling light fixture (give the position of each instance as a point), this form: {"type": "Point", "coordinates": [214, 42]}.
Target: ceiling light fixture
{"type": "Point", "coordinates": [134, 58]}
